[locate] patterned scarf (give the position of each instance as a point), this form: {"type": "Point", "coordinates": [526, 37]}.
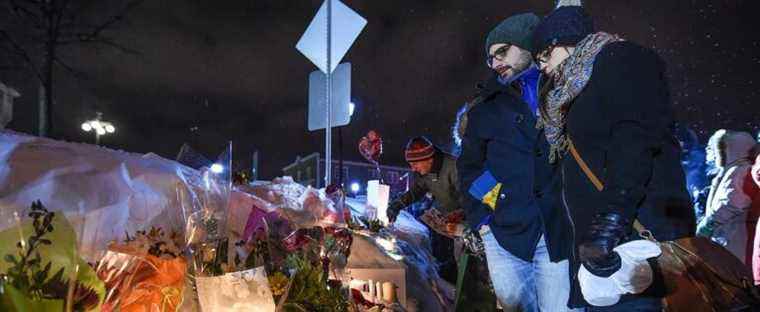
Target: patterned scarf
{"type": "Point", "coordinates": [572, 76]}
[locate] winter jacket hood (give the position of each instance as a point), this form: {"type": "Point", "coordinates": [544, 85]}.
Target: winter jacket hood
{"type": "Point", "coordinates": [732, 147]}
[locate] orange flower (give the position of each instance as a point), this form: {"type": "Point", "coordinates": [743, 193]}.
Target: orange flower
{"type": "Point", "coordinates": [149, 283]}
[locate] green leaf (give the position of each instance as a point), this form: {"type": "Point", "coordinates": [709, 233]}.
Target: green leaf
{"type": "Point", "coordinates": [34, 262]}
{"type": "Point", "coordinates": [10, 259]}
{"type": "Point", "coordinates": [37, 205]}
{"type": "Point", "coordinates": [39, 277]}
{"type": "Point", "coordinates": [13, 299]}
{"type": "Point", "coordinates": [54, 281]}
{"type": "Point", "coordinates": [61, 253]}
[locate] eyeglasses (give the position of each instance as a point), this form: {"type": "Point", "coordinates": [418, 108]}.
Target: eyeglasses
{"type": "Point", "coordinates": [500, 54]}
{"type": "Point", "coordinates": [545, 55]}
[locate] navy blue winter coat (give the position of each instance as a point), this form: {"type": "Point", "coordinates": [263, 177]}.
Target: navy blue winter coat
{"type": "Point", "coordinates": [502, 145]}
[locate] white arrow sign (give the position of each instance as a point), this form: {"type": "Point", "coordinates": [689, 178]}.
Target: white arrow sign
{"type": "Point", "coordinates": [345, 24]}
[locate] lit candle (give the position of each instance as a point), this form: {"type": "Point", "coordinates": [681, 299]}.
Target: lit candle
{"type": "Point", "coordinates": [379, 290]}
{"type": "Point", "coordinates": [372, 292]}
{"type": "Point", "coordinates": [389, 292]}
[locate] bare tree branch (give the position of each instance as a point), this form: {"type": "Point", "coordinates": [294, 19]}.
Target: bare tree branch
{"type": "Point", "coordinates": [36, 2]}
{"type": "Point", "coordinates": [60, 18]}
{"type": "Point", "coordinates": [72, 20]}
{"type": "Point", "coordinates": [18, 9]}
{"type": "Point", "coordinates": [47, 25]}
{"type": "Point", "coordinates": [113, 44]}
{"type": "Point", "coordinates": [76, 73]}
{"type": "Point", "coordinates": [22, 53]}
{"type": "Point", "coordinates": [11, 67]}
{"type": "Point", "coordinates": [57, 22]}
{"type": "Point", "coordinates": [98, 30]}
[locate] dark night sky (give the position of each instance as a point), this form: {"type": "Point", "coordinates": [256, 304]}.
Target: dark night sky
{"type": "Point", "coordinates": [230, 68]}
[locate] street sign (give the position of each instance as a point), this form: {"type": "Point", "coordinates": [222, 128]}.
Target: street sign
{"type": "Point", "coordinates": [346, 25]}
{"type": "Point", "coordinates": [341, 98]}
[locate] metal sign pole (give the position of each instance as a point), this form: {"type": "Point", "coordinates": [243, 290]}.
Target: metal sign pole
{"type": "Point", "coordinates": [312, 45]}
{"type": "Point", "coordinates": [328, 100]}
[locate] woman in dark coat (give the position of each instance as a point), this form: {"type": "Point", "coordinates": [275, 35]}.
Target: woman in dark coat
{"type": "Point", "coordinates": [608, 110]}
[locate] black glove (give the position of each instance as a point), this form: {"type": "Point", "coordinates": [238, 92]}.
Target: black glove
{"type": "Point", "coordinates": [393, 210]}
{"type": "Point", "coordinates": [606, 232]}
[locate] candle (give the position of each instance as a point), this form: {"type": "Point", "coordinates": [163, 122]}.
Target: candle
{"type": "Point", "coordinates": [389, 292]}
{"type": "Point", "coordinates": [379, 290]}
{"type": "Point", "coordinates": [372, 292]}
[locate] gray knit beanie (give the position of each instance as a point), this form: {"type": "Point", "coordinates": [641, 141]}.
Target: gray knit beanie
{"type": "Point", "coordinates": [515, 30]}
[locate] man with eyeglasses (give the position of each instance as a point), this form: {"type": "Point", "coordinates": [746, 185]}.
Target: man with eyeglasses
{"type": "Point", "coordinates": [511, 198]}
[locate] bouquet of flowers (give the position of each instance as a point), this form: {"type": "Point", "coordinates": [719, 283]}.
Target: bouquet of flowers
{"type": "Point", "coordinates": [43, 271]}
{"type": "Point", "coordinates": [304, 265]}
{"type": "Point", "coordinates": [450, 225]}
{"type": "Point", "coordinates": [146, 272]}
{"type": "Point", "coordinates": [286, 252]}
{"type": "Point", "coordinates": [220, 275]}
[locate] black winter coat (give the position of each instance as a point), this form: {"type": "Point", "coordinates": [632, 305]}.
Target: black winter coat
{"type": "Point", "coordinates": [621, 125]}
{"type": "Point", "coordinates": [501, 138]}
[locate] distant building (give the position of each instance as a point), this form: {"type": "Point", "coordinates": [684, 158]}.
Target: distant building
{"type": "Point", "coordinates": [309, 170]}
{"type": "Point", "coordinates": [7, 94]}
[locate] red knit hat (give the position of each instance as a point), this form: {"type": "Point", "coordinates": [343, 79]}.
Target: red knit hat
{"type": "Point", "coordinates": [419, 149]}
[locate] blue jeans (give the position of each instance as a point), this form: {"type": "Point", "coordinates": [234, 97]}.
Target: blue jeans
{"type": "Point", "coordinates": [539, 285]}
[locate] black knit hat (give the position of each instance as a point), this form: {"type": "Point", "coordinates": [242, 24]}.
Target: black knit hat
{"type": "Point", "coordinates": [515, 30]}
{"type": "Point", "coordinates": [565, 26]}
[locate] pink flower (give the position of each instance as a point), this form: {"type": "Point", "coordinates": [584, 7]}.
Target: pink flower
{"type": "Point", "coordinates": [260, 222]}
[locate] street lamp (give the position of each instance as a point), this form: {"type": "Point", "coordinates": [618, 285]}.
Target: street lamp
{"type": "Point", "coordinates": [99, 127]}
{"type": "Point", "coordinates": [355, 188]}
